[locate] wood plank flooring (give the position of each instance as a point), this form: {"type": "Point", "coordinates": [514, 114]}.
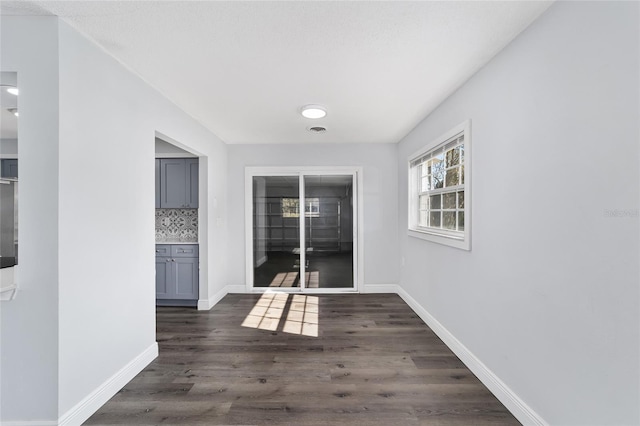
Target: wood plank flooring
{"type": "Point", "coordinates": [373, 362]}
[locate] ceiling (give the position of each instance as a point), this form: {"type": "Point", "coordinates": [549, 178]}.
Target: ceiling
{"type": "Point", "coordinates": [244, 69]}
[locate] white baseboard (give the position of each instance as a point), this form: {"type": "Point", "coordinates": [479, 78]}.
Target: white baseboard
{"type": "Point", "coordinates": [96, 399]}
{"type": "Point", "coordinates": [508, 397]}
{"type": "Point", "coordinates": [380, 288]}
{"type": "Point", "coordinates": [206, 304]}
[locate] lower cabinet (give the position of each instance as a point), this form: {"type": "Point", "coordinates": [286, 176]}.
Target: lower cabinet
{"type": "Point", "coordinates": [177, 274]}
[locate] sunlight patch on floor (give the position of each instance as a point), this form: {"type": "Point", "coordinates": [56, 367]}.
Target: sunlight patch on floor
{"type": "Point", "coordinates": [313, 279]}
{"type": "Point", "coordinates": [284, 279]}
{"type": "Point", "coordinates": [303, 316]}
{"type": "Point", "coordinates": [267, 312]}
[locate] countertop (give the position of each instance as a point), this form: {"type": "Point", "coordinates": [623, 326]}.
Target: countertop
{"type": "Point", "coordinates": [172, 243]}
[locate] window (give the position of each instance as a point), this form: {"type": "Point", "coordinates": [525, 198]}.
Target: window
{"type": "Point", "coordinates": [440, 189]}
{"type": "Point", "coordinates": [291, 207]}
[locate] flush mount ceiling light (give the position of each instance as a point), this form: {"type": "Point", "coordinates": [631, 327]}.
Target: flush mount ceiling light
{"type": "Point", "coordinates": [317, 129]}
{"type": "Point", "coordinates": [11, 89]}
{"type": "Point", "coordinates": [313, 111]}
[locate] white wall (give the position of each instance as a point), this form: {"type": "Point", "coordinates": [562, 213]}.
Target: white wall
{"type": "Point", "coordinates": [9, 148]}
{"type": "Point", "coordinates": [548, 295]}
{"type": "Point", "coordinates": [107, 263]}
{"type": "Point", "coordinates": [166, 150]}
{"type": "Point", "coordinates": [380, 198]}
{"type": "Point", "coordinates": [29, 324]}
{"type": "Point", "coordinates": [85, 307]}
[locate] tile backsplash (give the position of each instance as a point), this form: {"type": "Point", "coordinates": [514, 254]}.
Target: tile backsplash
{"type": "Point", "coordinates": [176, 225]}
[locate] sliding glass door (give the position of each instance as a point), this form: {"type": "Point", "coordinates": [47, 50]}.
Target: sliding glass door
{"type": "Point", "coordinates": [276, 231]}
{"type": "Point", "coordinates": [302, 232]}
{"type": "Point", "coordinates": [328, 237]}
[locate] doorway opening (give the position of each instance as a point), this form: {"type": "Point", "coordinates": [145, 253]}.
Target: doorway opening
{"type": "Point", "coordinates": [180, 224]}
{"type": "Point", "coordinates": [302, 228]}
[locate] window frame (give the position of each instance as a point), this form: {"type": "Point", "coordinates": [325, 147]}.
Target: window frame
{"type": "Point", "coordinates": [457, 239]}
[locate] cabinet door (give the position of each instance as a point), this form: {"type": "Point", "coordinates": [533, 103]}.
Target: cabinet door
{"type": "Point", "coordinates": [192, 183]}
{"type": "Point", "coordinates": [164, 286]}
{"type": "Point", "coordinates": [9, 168]}
{"type": "Point", "coordinates": [173, 182]}
{"type": "Point", "coordinates": [185, 274]}
{"type": "Point", "coordinates": [157, 183]}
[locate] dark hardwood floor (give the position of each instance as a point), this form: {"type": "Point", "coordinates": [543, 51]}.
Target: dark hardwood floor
{"type": "Point", "coordinates": [373, 362]}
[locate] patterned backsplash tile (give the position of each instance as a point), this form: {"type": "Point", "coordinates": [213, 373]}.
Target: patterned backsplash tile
{"type": "Point", "coordinates": [176, 225]}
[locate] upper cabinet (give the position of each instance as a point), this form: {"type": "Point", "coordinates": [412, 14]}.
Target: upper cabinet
{"type": "Point", "coordinates": [178, 186]}
{"type": "Point", "coordinates": [157, 183]}
{"type": "Point", "coordinates": [9, 168]}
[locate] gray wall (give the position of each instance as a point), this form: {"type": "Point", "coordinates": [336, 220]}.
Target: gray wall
{"type": "Point", "coordinates": [380, 198]}
{"type": "Point", "coordinates": [8, 148]}
{"type": "Point", "coordinates": [85, 307]}
{"type": "Point", "coordinates": [29, 324]}
{"type": "Point", "coordinates": [107, 284]}
{"type": "Point", "coordinates": [547, 298]}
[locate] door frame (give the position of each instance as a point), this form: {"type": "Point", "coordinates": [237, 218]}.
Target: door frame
{"type": "Point", "coordinates": [358, 246]}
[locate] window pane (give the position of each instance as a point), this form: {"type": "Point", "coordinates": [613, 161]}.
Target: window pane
{"type": "Point", "coordinates": [437, 171]}
{"type": "Point", "coordinates": [290, 207]}
{"type": "Point", "coordinates": [460, 221]}
{"type": "Point", "coordinates": [434, 219]}
{"type": "Point", "coordinates": [424, 169]}
{"type": "Point", "coordinates": [449, 200]}
{"type": "Point", "coordinates": [449, 219]}
{"type": "Point", "coordinates": [453, 157]}
{"type": "Point", "coordinates": [462, 175]}
{"type": "Point", "coordinates": [461, 200]}
{"type": "Point", "coordinates": [436, 202]}
{"type": "Point", "coordinates": [452, 177]}
{"type": "Point", "coordinates": [425, 184]}
{"type": "Point", "coordinates": [424, 202]}
{"type": "Point", "coordinates": [424, 216]}
{"type": "Point", "coordinates": [461, 154]}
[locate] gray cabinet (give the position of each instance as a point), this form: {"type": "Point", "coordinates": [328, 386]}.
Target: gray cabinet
{"type": "Point", "coordinates": [9, 168]}
{"type": "Point", "coordinates": [157, 183]}
{"type": "Point", "coordinates": [178, 183]}
{"type": "Point", "coordinates": [177, 274]}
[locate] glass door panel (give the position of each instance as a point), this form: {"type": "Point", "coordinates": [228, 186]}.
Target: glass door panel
{"type": "Point", "coordinates": [328, 210]}
{"type": "Point", "coordinates": [276, 231]}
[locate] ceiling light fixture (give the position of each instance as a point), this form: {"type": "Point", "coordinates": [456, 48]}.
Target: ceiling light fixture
{"type": "Point", "coordinates": [313, 111]}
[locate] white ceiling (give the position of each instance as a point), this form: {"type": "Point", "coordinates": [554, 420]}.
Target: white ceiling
{"type": "Point", "coordinates": [244, 69]}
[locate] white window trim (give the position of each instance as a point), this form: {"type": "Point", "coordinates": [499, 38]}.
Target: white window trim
{"type": "Point", "coordinates": [442, 236]}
